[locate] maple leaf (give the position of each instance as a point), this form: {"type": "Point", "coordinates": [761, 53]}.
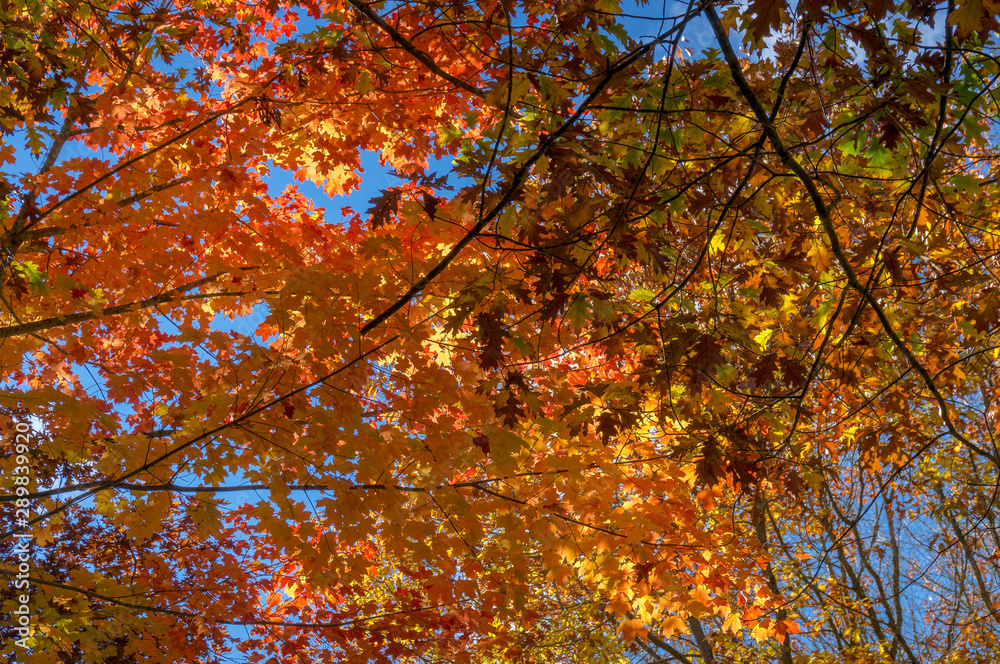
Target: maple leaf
{"type": "Point", "coordinates": [509, 408]}
{"type": "Point", "coordinates": [795, 373]}
{"type": "Point", "coordinates": [765, 370]}
{"type": "Point", "coordinates": [482, 442]}
{"type": "Point", "coordinates": [889, 135]}
{"type": "Point", "coordinates": [879, 8]}
{"type": "Point", "coordinates": [384, 207]}
{"type": "Point", "coordinates": [607, 426]}
{"type": "Point", "coordinates": [973, 17]}
{"type": "Point", "coordinates": [985, 314]}
{"type": "Point", "coordinates": [430, 204]}
{"type": "Point", "coordinates": [707, 354]}
{"type": "Point", "coordinates": [492, 334]}
{"type": "Point", "coordinates": [710, 465]}
{"type": "Point", "coordinates": [764, 17]}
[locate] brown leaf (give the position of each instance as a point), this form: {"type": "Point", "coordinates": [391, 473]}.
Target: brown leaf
{"type": "Point", "coordinates": [482, 442]}
{"type": "Point", "coordinates": [491, 337]}
{"type": "Point", "coordinates": [384, 207]}
{"type": "Point", "coordinates": [766, 17]}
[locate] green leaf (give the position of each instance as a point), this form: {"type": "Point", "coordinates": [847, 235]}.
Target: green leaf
{"type": "Point", "coordinates": [35, 277]}
{"type": "Point", "coordinates": [577, 313]}
{"type": "Point", "coordinates": [642, 295]}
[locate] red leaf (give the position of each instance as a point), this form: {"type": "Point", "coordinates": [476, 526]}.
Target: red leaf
{"type": "Point", "coordinates": [482, 442]}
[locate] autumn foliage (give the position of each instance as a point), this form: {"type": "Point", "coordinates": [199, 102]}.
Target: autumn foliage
{"type": "Point", "coordinates": [653, 350]}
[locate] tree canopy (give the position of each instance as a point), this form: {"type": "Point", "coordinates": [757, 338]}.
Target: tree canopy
{"type": "Point", "coordinates": [652, 350]}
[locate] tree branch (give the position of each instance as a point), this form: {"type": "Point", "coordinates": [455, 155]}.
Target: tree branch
{"type": "Point", "coordinates": [365, 10]}
{"type": "Point", "coordinates": [823, 212]}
